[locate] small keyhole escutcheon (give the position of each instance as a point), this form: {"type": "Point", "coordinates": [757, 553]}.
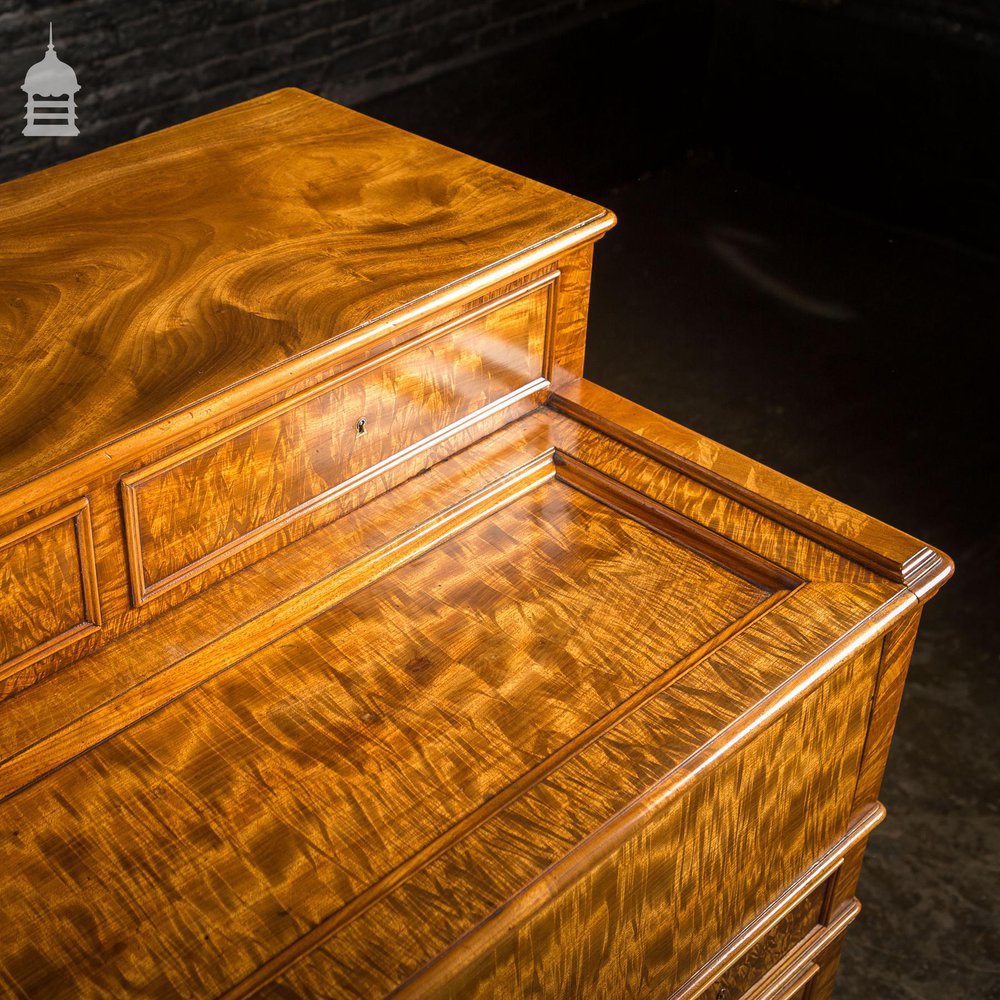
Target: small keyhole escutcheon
{"type": "Point", "coordinates": [361, 425]}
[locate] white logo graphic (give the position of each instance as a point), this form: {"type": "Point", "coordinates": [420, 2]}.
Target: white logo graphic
{"type": "Point", "coordinates": [51, 88]}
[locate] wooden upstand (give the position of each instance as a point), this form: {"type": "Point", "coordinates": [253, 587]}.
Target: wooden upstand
{"type": "Point", "coordinates": [351, 644]}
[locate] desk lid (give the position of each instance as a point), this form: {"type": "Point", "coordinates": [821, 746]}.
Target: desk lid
{"type": "Point", "coordinates": [147, 277]}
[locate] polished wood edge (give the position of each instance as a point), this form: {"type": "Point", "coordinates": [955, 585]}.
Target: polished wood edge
{"type": "Point", "coordinates": [927, 572]}
{"type": "Point", "coordinates": [791, 984]}
{"type": "Point", "coordinates": [859, 829]}
{"type": "Point", "coordinates": [671, 524]}
{"type": "Point", "coordinates": [897, 648]}
{"type": "Point", "coordinates": [79, 513]}
{"type": "Point", "coordinates": [800, 966]}
{"type": "Point", "coordinates": [791, 550]}
{"type": "Point", "coordinates": [566, 347]}
{"type": "Point", "coordinates": [318, 934]}
{"type": "Point", "coordinates": [44, 756]}
{"type": "Point", "coordinates": [893, 554]}
{"type": "Point", "coordinates": [551, 309]}
{"type": "Point", "coordinates": [284, 376]}
{"type": "Point", "coordinates": [144, 590]}
{"type": "Point", "coordinates": [631, 820]}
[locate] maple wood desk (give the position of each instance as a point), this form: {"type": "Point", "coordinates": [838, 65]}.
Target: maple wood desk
{"type": "Point", "coordinates": [352, 644]}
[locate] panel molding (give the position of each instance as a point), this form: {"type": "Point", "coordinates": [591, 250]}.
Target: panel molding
{"type": "Point", "coordinates": [77, 512]}
{"type": "Point", "coordinates": [672, 524]}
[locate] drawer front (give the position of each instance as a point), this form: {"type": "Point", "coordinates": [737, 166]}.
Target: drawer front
{"type": "Point", "coordinates": [644, 918]}
{"type": "Point", "coordinates": [194, 509]}
{"type": "Point", "coordinates": [48, 585]}
{"type": "Point", "coordinates": [760, 959]}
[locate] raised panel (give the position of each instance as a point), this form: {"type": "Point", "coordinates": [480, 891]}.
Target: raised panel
{"type": "Point", "coordinates": [48, 586]}
{"type": "Point", "coordinates": [194, 509]}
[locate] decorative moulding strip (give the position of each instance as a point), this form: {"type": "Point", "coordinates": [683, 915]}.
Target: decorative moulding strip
{"type": "Point", "coordinates": [79, 513]}
{"type": "Point", "coordinates": [860, 828]}
{"type": "Point", "coordinates": [799, 968]}
{"type": "Point", "coordinates": [551, 309]}
{"type": "Point", "coordinates": [144, 590]}
{"type": "Point", "coordinates": [671, 524]}
{"type": "Point", "coordinates": [922, 570]}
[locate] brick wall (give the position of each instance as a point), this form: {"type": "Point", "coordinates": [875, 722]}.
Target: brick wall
{"type": "Point", "coordinates": [147, 64]}
{"type": "Point", "coordinates": [888, 107]}
{"type": "Point", "coordinates": [969, 23]}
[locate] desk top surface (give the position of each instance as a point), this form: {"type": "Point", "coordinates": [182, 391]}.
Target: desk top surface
{"type": "Point", "coordinates": [138, 280]}
{"type": "Point", "coordinates": [196, 806]}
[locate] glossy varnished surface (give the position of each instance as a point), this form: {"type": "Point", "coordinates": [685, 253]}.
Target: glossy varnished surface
{"type": "Point", "coordinates": [278, 779]}
{"type": "Point", "coordinates": [48, 586]}
{"type": "Point", "coordinates": [153, 274]}
{"type": "Point", "coordinates": [187, 508]}
{"type": "Point", "coordinates": [193, 508]}
{"type": "Point", "coordinates": [678, 885]}
{"type": "Point", "coordinates": [534, 686]}
{"type": "Point", "coordinates": [480, 698]}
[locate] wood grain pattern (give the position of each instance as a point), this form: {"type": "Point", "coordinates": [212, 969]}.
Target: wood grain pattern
{"type": "Point", "coordinates": [224, 493]}
{"type": "Point", "coordinates": [896, 651]}
{"type": "Point", "coordinates": [782, 629]}
{"type": "Point", "coordinates": [766, 953]}
{"type": "Point", "coordinates": [824, 873]}
{"type": "Point", "coordinates": [48, 585]}
{"type": "Point", "coordinates": [567, 345]}
{"type": "Point", "coordinates": [154, 274]}
{"type": "Point", "coordinates": [440, 662]}
{"type": "Point", "coordinates": [886, 550]}
{"type": "Point", "coordinates": [500, 311]}
{"type": "Point", "coordinates": [738, 519]}
{"type": "Point", "coordinates": [515, 693]}
{"type": "Point", "coordinates": [673, 735]}
{"type": "Point", "coordinates": [659, 903]}
{"type": "Point", "coordinates": [138, 673]}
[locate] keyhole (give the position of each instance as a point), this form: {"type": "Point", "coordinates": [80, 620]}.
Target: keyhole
{"type": "Point", "coordinates": [361, 425]}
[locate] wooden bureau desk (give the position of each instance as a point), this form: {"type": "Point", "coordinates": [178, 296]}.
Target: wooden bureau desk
{"type": "Point", "coordinates": [351, 644]}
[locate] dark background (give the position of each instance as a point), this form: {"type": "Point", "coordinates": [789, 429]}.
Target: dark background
{"type": "Point", "coordinates": [805, 268]}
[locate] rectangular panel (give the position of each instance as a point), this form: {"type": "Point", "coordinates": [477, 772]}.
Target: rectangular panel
{"type": "Point", "coordinates": [48, 585]}
{"type": "Point", "coordinates": [194, 509]}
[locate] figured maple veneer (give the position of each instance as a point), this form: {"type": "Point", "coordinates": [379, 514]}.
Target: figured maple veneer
{"type": "Point", "coordinates": [499, 635]}
{"type": "Point", "coordinates": [474, 766]}
{"type": "Point", "coordinates": [514, 689]}
{"type": "Point", "coordinates": [193, 509]}
{"type": "Point", "coordinates": [654, 902]}
{"type": "Point", "coordinates": [48, 585]}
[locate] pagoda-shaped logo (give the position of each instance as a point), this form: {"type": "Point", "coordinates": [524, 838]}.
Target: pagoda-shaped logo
{"type": "Point", "coordinates": [51, 88]}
